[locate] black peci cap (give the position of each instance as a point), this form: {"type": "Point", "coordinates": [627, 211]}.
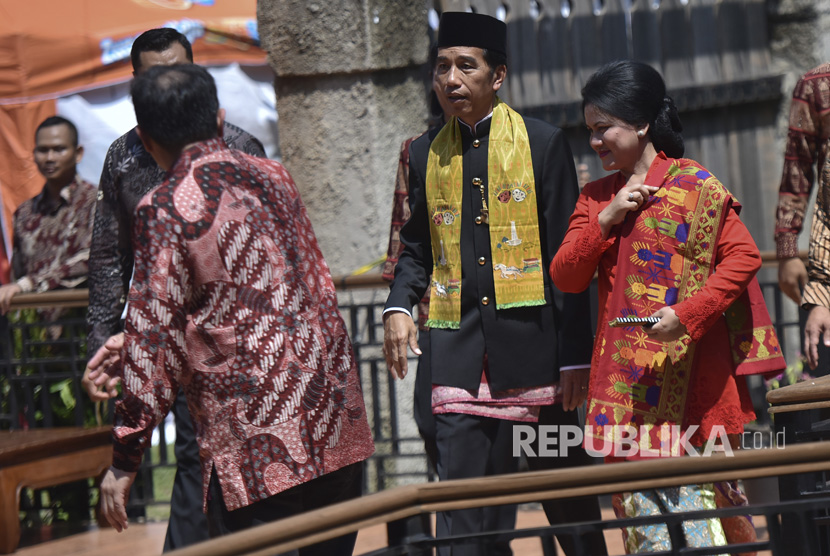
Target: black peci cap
{"type": "Point", "coordinates": [470, 29]}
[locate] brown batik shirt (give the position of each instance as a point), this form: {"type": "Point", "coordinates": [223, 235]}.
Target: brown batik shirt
{"type": "Point", "coordinates": [129, 173]}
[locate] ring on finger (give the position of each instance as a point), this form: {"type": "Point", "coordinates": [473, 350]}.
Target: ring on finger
{"type": "Point", "coordinates": [631, 196]}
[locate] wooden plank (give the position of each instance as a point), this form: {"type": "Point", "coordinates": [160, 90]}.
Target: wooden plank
{"type": "Point", "coordinates": [139, 539]}
{"type": "Point", "coordinates": [704, 31]}
{"type": "Point", "coordinates": [554, 45]}
{"type": "Point", "coordinates": [522, 47]}
{"type": "Point", "coordinates": [56, 462]}
{"type": "Point", "coordinates": [798, 407]}
{"type": "Point", "coordinates": [677, 56]}
{"type": "Point", "coordinates": [733, 39]}
{"type": "Point", "coordinates": [645, 34]}
{"type": "Point", "coordinates": [586, 41]}
{"type": "Point", "coordinates": [612, 28]}
{"type": "Point", "coordinates": [756, 23]}
{"type": "Point", "coordinates": [817, 389]}
{"type": "Point", "coordinates": [17, 447]}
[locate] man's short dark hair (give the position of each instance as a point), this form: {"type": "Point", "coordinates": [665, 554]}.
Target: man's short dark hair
{"type": "Point", "coordinates": [59, 120]}
{"type": "Point", "coordinates": [176, 105]}
{"type": "Point", "coordinates": [494, 59]}
{"type": "Point", "coordinates": [158, 40]}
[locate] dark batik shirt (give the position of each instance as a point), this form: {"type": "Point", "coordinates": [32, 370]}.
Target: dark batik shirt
{"type": "Point", "coordinates": [51, 239]}
{"type": "Point", "coordinates": [805, 159]}
{"type": "Point", "coordinates": [129, 173]}
{"type": "Point", "coordinates": [232, 301]}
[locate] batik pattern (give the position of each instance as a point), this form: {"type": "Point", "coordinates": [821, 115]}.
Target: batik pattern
{"type": "Point", "coordinates": [129, 172]}
{"type": "Point", "coordinates": [232, 301]}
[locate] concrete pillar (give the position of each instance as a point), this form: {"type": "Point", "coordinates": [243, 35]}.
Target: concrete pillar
{"type": "Point", "coordinates": [350, 88]}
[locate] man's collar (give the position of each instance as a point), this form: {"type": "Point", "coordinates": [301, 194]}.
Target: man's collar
{"type": "Point", "coordinates": [479, 129]}
{"type": "Point", "coordinates": [42, 202]}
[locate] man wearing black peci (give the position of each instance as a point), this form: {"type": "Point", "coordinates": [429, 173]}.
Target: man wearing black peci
{"type": "Point", "coordinates": [490, 197]}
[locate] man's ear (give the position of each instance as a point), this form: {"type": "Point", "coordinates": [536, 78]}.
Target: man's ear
{"type": "Point", "coordinates": [220, 121]}
{"type": "Point", "coordinates": [498, 77]}
{"type": "Point", "coordinates": [79, 154]}
{"type": "Point", "coordinates": [148, 143]}
{"type": "Point", "coordinates": [161, 156]}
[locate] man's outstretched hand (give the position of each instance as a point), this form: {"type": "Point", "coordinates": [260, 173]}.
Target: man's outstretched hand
{"type": "Point", "coordinates": [99, 385]}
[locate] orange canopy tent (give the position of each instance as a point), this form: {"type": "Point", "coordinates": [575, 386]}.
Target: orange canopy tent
{"type": "Point", "coordinates": [52, 48]}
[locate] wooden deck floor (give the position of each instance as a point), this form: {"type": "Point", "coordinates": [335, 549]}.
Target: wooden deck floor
{"type": "Point", "coordinates": [147, 539]}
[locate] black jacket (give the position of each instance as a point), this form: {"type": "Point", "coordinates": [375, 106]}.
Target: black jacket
{"type": "Point", "coordinates": [525, 346]}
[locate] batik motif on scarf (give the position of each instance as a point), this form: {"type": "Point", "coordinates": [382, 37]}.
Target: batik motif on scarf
{"type": "Point", "coordinates": [752, 337]}
{"type": "Point", "coordinates": [511, 210]}
{"type": "Point", "coordinates": [666, 253]}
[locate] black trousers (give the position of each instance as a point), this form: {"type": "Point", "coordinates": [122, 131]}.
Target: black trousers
{"type": "Point", "coordinates": [472, 446]}
{"type": "Point", "coordinates": [188, 524]}
{"type": "Point", "coordinates": [338, 486]}
{"type": "Point", "coordinates": [572, 510]}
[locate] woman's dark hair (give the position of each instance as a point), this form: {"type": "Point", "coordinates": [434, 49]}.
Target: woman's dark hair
{"type": "Point", "coordinates": [635, 93]}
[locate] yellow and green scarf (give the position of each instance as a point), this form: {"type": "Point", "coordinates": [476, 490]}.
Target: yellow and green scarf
{"type": "Point", "coordinates": [513, 218]}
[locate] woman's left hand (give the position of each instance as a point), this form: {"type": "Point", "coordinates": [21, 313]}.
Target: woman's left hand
{"type": "Point", "coordinates": [668, 329]}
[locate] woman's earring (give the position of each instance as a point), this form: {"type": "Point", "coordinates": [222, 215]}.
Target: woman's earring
{"type": "Point", "coordinates": [641, 133]}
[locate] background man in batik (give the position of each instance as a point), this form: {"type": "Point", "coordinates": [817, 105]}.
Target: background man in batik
{"type": "Point", "coordinates": [52, 231]}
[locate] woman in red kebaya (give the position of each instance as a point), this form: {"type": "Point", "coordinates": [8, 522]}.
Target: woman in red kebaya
{"type": "Point", "coordinates": [666, 241]}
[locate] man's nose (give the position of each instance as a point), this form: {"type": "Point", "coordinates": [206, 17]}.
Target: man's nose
{"type": "Point", "coordinates": [453, 76]}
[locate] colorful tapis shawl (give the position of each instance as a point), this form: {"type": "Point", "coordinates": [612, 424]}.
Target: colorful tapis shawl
{"type": "Point", "coordinates": [665, 256]}
{"type": "Point", "coordinates": [509, 206]}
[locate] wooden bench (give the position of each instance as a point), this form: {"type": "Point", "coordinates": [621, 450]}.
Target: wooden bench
{"type": "Point", "coordinates": [39, 458]}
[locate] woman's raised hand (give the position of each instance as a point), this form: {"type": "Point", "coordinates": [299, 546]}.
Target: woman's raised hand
{"type": "Point", "coordinates": [630, 198]}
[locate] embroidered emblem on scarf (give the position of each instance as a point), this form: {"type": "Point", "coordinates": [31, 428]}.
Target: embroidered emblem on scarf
{"type": "Point", "coordinates": [513, 218]}
{"type": "Point", "coordinates": [666, 255]}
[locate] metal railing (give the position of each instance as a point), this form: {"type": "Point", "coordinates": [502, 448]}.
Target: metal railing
{"type": "Point", "coordinates": [402, 502]}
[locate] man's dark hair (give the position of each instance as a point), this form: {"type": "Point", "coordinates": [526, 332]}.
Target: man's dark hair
{"type": "Point", "coordinates": [59, 120]}
{"type": "Point", "coordinates": [176, 105]}
{"type": "Point", "coordinates": [158, 40]}
{"type": "Point", "coordinates": [494, 59]}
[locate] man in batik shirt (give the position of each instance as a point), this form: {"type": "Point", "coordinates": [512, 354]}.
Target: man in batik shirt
{"type": "Point", "coordinates": [231, 300]}
{"type": "Point", "coordinates": [130, 172]}
{"type": "Point", "coordinates": [52, 230]}
{"type": "Point", "coordinates": [805, 162]}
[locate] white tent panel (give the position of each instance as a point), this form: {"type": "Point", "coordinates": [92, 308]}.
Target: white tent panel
{"type": "Point", "coordinates": [102, 115]}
